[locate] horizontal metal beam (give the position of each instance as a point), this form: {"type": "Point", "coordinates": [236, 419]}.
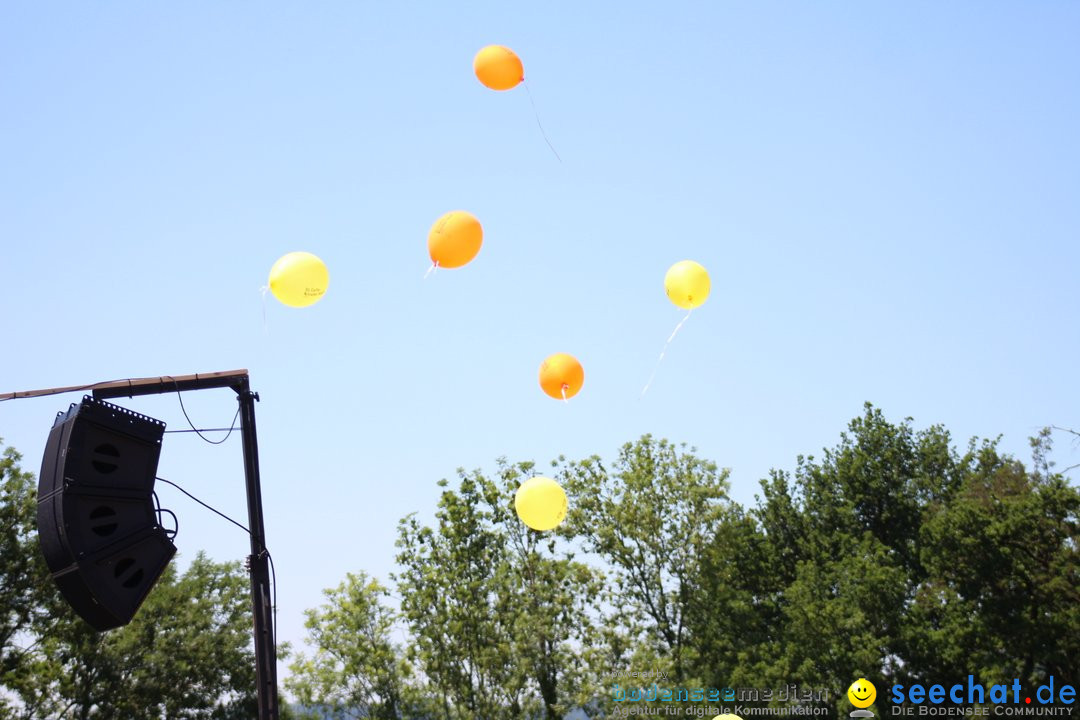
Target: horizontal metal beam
{"type": "Point", "coordinates": [145, 386]}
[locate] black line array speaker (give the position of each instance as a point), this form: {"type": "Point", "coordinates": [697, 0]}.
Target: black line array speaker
{"type": "Point", "coordinates": [97, 523]}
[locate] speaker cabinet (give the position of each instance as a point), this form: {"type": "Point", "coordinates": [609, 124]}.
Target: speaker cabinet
{"type": "Point", "coordinates": [97, 523]}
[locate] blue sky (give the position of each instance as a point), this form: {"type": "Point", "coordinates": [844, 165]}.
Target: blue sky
{"type": "Point", "coordinates": [885, 196]}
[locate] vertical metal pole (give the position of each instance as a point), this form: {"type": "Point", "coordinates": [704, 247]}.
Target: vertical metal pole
{"type": "Point", "coordinates": [265, 651]}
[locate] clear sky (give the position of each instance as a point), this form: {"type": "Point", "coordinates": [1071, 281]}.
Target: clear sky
{"type": "Point", "coordinates": [886, 196]}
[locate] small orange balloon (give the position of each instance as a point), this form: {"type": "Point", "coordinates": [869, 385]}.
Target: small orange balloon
{"type": "Point", "coordinates": [498, 67]}
{"type": "Point", "coordinates": [561, 376]}
{"type": "Point", "coordinates": [455, 239]}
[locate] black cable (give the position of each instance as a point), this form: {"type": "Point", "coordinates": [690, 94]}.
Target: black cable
{"type": "Point", "coordinates": [180, 397]}
{"type": "Point", "coordinates": [170, 482]}
{"type": "Point", "coordinates": [200, 430]}
{"type": "Point", "coordinates": [273, 570]}
{"type": "Point", "coordinates": [176, 522]}
{"type": "Point", "coordinates": [273, 581]}
{"type": "Point", "coordinates": [159, 510]}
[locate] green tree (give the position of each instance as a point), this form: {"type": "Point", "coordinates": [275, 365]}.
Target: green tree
{"type": "Point", "coordinates": [895, 557]}
{"type": "Point", "coordinates": [446, 583]}
{"type": "Point", "coordinates": [552, 600]}
{"type": "Point", "coordinates": [496, 611]}
{"type": "Point", "coordinates": [23, 590]}
{"type": "Point", "coordinates": [1002, 596]}
{"type": "Point", "coordinates": [186, 654]}
{"type": "Point", "coordinates": [356, 670]}
{"type": "Point", "coordinates": [845, 540]}
{"type": "Point", "coordinates": [811, 586]}
{"type": "Point", "coordinates": [735, 615]}
{"type": "Point", "coordinates": [650, 518]}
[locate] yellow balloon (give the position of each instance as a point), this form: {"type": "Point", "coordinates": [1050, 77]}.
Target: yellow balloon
{"type": "Point", "coordinates": [498, 67]}
{"type": "Point", "coordinates": [687, 284]}
{"type": "Point", "coordinates": [540, 503]}
{"type": "Point", "coordinates": [299, 279]}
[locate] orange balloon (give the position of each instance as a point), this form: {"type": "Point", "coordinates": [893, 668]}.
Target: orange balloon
{"type": "Point", "coordinates": [561, 376]}
{"type": "Point", "coordinates": [455, 239]}
{"type": "Point", "coordinates": [498, 67]}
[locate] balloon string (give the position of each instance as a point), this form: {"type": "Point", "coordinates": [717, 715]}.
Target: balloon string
{"type": "Point", "coordinates": [662, 352]}
{"type": "Point", "coordinates": [537, 114]}
{"type": "Point", "coordinates": [262, 291]}
{"type": "Point", "coordinates": [564, 398]}
{"type": "Point", "coordinates": [431, 269]}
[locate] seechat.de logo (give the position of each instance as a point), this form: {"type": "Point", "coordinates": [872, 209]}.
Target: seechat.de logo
{"type": "Point", "coordinates": [1001, 699]}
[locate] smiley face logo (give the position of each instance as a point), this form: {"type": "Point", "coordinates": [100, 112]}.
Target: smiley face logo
{"type": "Point", "coordinates": [862, 693]}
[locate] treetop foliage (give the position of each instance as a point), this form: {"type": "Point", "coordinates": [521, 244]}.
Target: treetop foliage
{"type": "Point", "coordinates": [893, 556]}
